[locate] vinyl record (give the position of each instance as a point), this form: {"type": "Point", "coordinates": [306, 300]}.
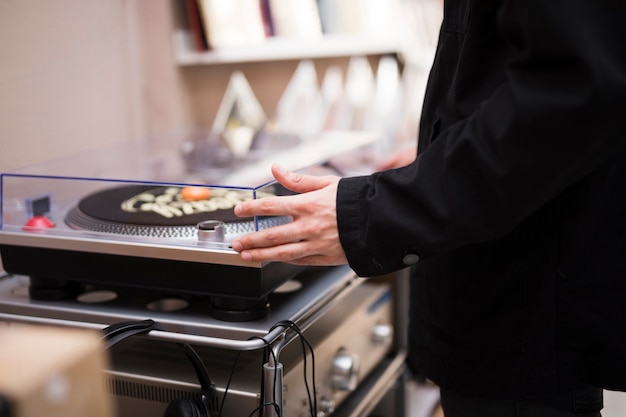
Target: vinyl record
{"type": "Point", "coordinates": [145, 210]}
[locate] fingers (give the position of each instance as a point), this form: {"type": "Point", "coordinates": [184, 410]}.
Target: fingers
{"type": "Point", "coordinates": [277, 236]}
{"type": "Point", "coordinates": [284, 205]}
{"type": "Point", "coordinates": [310, 242]}
{"type": "Point", "coordinates": [297, 252]}
{"type": "Point", "coordinates": [311, 238]}
{"type": "Point", "coordinates": [267, 206]}
{"type": "Point", "coordinates": [271, 237]}
{"type": "Point", "coordinates": [290, 252]}
{"type": "Point", "coordinates": [298, 182]}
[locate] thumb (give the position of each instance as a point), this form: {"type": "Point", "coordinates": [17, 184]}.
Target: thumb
{"type": "Point", "coordinates": [298, 182]}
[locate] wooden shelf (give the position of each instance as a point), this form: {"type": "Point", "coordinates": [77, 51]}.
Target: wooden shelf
{"type": "Point", "coordinates": [280, 49]}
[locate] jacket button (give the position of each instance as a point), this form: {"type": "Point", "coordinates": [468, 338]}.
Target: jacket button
{"type": "Point", "coordinates": [410, 259]}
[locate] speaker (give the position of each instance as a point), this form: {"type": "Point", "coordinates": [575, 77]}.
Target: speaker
{"type": "Point", "coordinates": [181, 407]}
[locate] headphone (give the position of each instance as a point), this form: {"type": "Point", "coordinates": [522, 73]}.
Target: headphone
{"type": "Point", "coordinates": [181, 407]}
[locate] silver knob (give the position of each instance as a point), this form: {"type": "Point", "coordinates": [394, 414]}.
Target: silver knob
{"type": "Point", "coordinates": [345, 371]}
{"type": "Point", "coordinates": [326, 406]}
{"type": "Point", "coordinates": [211, 231]}
{"type": "Point", "coordinates": [382, 333]}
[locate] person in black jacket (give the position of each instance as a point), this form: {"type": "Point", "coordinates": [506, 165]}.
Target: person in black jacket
{"type": "Point", "coordinates": [512, 215]}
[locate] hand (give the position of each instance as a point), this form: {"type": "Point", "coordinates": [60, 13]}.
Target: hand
{"type": "Point", "coordinates": [400, 158]}
{"type": "Point", "coordinates": [311, 238]}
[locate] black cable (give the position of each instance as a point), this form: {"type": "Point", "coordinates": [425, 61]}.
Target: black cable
{"type": "Point", "coordinates": [288, 324]}
{"type": "Point", "coordinates": [262, 406]}
{"type": "Point", "coordinates": [276, 406]}
{"type": "Point", "coordinates": [226, 388]}
{"type": "Point", "coordinates": [313, 402]}
{"type": "Point", "coordinates": [303, 340]}
{"type": "Point", "coordinates": [306, 342]}
{"type": "Point", "coordinates": [198, 366]}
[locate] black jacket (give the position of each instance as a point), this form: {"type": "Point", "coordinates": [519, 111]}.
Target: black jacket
{"type": "Point", "coordinates": [516, 204]}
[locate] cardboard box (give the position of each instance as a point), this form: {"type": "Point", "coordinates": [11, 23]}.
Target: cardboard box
{"type": "Point", "coordinates": [52, 372]}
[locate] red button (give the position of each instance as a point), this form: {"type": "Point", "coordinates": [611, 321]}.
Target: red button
{"type": "Point", "coordinates": [38, 222]}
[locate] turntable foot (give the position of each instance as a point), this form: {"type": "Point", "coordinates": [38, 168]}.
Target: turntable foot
{"type": "Point", "coordinates": [238, 310]}
{"type": "Point", "coordinates": [51, 289]}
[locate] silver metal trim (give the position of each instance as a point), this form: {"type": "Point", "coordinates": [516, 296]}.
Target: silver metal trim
{"type": "Point", "coordinates": [308, 315]}
{"type": "Point", "coordinates": [126, 246]}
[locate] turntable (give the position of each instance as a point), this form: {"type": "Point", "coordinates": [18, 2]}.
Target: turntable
{"type": "Point", "coordinates": [134, 232]}
{"type": "Point", "coordinates": [140, 216]}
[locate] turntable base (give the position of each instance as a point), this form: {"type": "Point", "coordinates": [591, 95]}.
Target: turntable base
{"type": "Point", "coordinates": [234, 292]}
{"type": "Point", "coordinates": [222, 308]}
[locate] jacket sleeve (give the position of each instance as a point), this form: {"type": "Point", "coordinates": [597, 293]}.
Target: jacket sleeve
{"type": "Point", "coordinates": [557, 116]}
